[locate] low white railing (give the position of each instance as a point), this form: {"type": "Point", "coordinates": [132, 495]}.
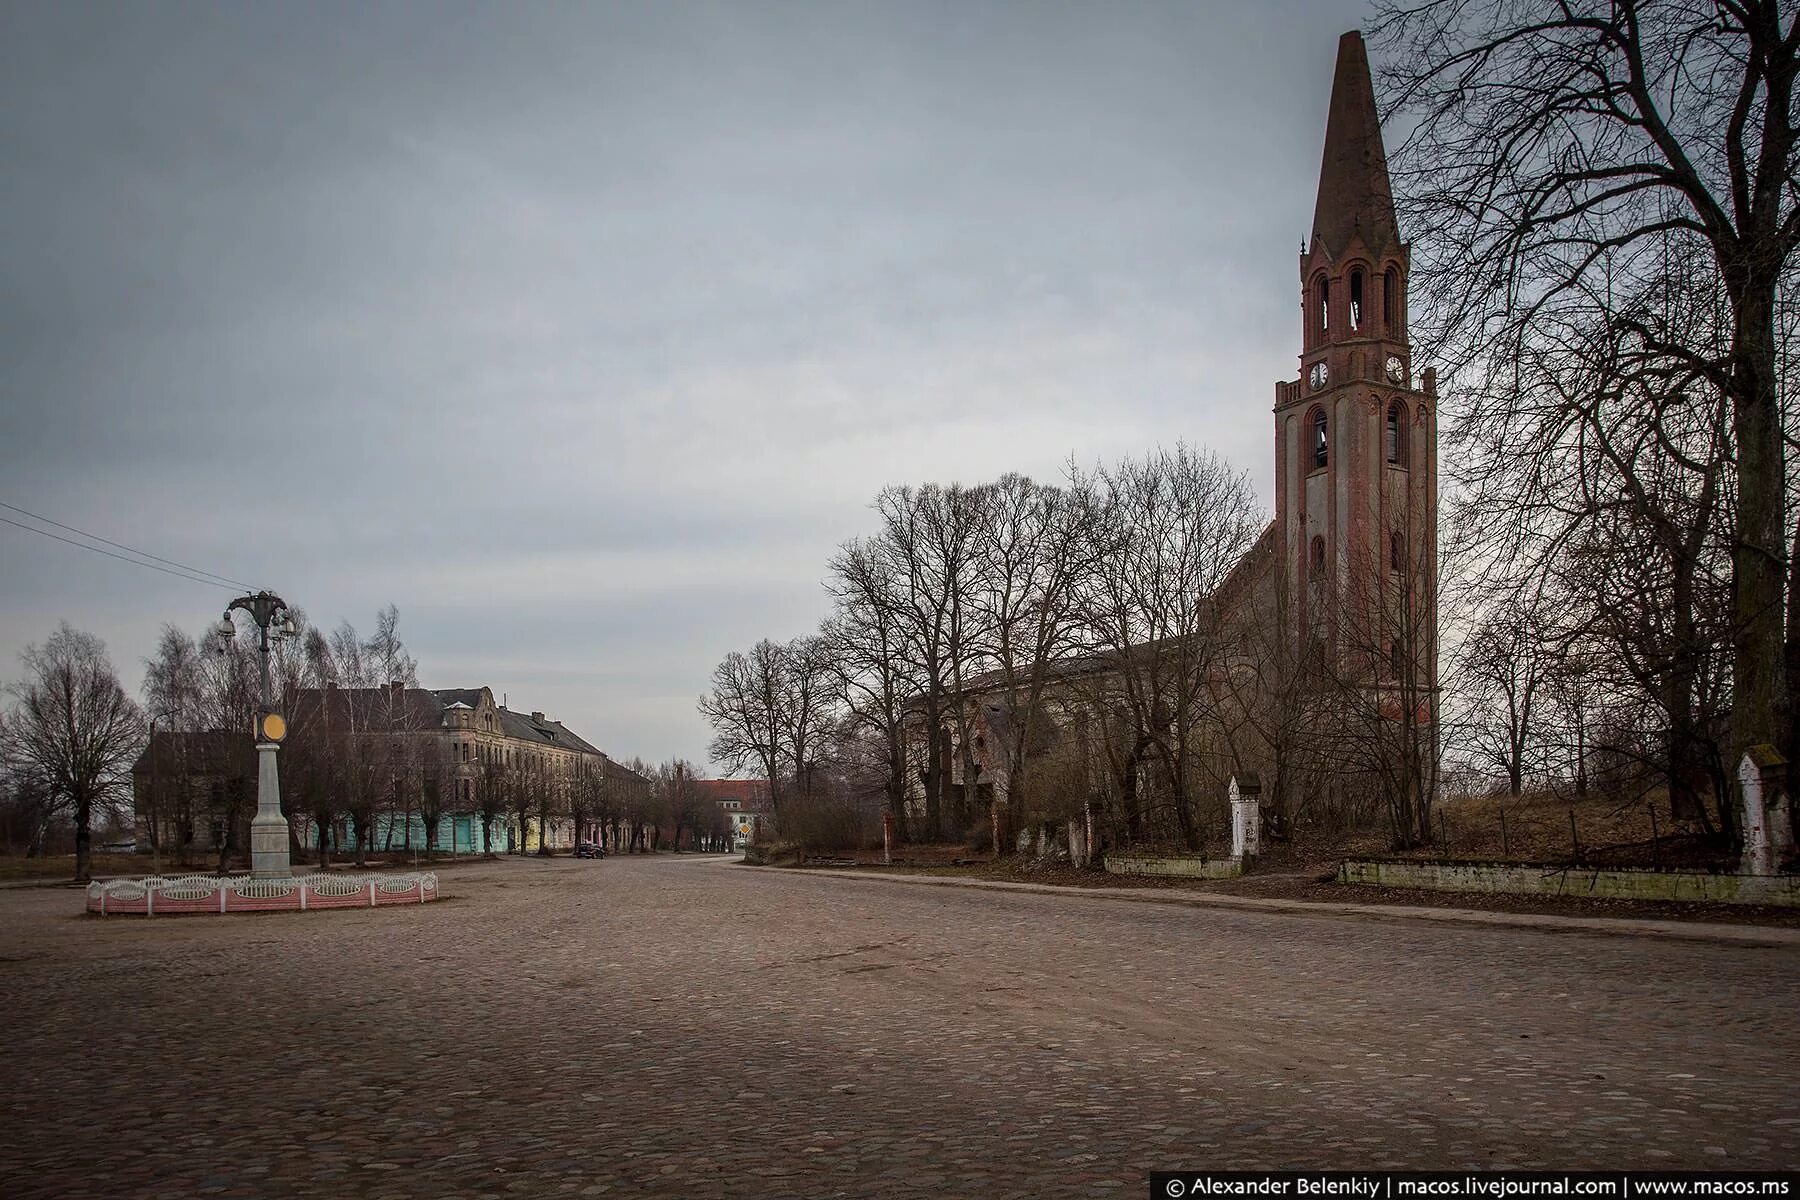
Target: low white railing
{"type": "Point", "coordinates": [244, 893]}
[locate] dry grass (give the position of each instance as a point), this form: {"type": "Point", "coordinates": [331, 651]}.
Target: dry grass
{"type": "Point", "coordinates": [1558, 829]}
{"type": "Point", "coordinates": [62, 866]}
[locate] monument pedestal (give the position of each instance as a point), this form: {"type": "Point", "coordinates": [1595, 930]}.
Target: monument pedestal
{"type": "Point", "coordinates": [269, 829]}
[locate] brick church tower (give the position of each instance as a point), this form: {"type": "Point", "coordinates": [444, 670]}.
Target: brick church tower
{"type": "Point", "coordinates": [1356, 434]}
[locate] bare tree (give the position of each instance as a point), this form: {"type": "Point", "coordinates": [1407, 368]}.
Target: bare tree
{"type": "Point", "coordinates": [1506, 666]}
{"type": "Point", "coordinates": [1370, 660]}
{"type": "Point", "coordinates": [867, 655]}
{"type": "Point", "coordinates": [746, 713]}
{"type": "Point", "coordinates": [683, 805]}
{"type": "Point", "coordinates": [525, 784]}
{"type": "Point", "coordinates": [74, 726]}
{"type": "Point", "coordinates": [805, 705]}
{"type": "Point", "coordinates": [1558, 149]}
{"type": "Point", "coordinates": [1164, 531]}
{"type": "Point", "coordinates": [926, 541]}
{"type": "Point", "coordinates": [493, 786]}
{"type": "Point", "coordinates": [1599, 465]}
{"type": "Point", "coordinates": [1030, 549]}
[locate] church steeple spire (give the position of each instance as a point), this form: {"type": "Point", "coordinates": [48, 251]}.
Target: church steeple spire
{"type": "Point", "coordinates": [1355, 196]}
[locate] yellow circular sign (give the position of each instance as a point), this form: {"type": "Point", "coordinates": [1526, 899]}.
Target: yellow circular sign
{"type": "Point", "coordinates": [274, 727]}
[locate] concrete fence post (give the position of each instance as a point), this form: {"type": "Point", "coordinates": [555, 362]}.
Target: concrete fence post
{"type": "Point", "coordinates": [1768, 829]}
{"type": "Point", "coordinates": [1246, 816]}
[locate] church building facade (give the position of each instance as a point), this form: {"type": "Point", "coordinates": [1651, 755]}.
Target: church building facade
{"type": "Point", "coordinates": [1322, 662]}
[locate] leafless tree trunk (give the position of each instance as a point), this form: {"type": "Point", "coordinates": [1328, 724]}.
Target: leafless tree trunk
{"type": "Point", "coordinates": [74, 727]}
{"type": "Point", "coordinates": [1030, 549]}
{"type": "Point", "coordinates": [745, 709]}
{"type": "Point", "coordinates": [1165, 531]}
{"type": "Point", "coordinates": [867, 654]}
{"type": "Point", "coordinates": [1559, 151]}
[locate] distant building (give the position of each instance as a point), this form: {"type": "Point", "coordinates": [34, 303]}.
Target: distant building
{"type": "Point", "coordinates": [461, 741]}
{"type": "Point", "coordinates": [195, 791]}
{"type": "Point", "coordinates": [742, 801]}
{"type": "Point", "coordinates": [402, 745]}
{"type": "Point", "coordinates": [1314, 661]}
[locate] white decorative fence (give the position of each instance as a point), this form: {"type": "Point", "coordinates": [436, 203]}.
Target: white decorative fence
{"type": "Point", "coordinates": [159, 896]}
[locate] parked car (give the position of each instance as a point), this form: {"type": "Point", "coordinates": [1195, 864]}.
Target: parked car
{"type": "Point", "coordinates": [589, 850]}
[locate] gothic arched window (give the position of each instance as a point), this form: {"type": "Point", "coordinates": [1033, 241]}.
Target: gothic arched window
{"type": "Point", "coordinates": [1317, 433]}
{"type": "Point", "coordinates": [1390, 300]}
{"type": "Point", "coordinates": [1318, 553]}
{"type": "Point", "coordinates": [1396, 551]}
{"type": "Point", "coordinates": [1396, 434]}
{"type": "Point", "coordinates": [1356, 298]}
{"type": "Point", "coordinates": [1322, 291]}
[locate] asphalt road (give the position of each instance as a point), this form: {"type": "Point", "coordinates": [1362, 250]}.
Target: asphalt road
{"type": "Point", "coordinates": [681, 1026]}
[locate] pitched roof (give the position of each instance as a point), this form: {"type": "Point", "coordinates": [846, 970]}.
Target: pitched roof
{"type": "Point", "coordinates": [424, 709]}
{"type": "Point", "coordinates": [205, 752]}
{"type": "Point", "coordinates": [1355, 195]}
{"type": "Point", "coordinates": [750, 795]}
{"type": "Point", "coordinates": [544, 732]}
{"type": "Point", "coordinates": [618, 770]}
{"type": "Point", "coordinates": [366, 709]}
{"type": "Point", "coordinates": [733, 789]}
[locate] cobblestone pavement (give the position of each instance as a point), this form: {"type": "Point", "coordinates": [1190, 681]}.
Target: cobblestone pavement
{"type": "Point", "coordinates": [680, 1026]}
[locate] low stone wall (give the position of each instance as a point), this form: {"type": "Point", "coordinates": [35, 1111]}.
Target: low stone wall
{"type": "Point", "coordinates": [1182, 866]}
{"type": "Point", "coordinates": [1616, 883]}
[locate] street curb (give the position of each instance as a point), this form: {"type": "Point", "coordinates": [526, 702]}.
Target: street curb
{"type": "Point", "coordinates": [1687, 931]}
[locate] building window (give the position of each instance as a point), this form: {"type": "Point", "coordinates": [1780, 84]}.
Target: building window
{"type": "Point", "coordinates": [1323, 289]}
{"type": "Point", "coordinates": [1318, 554]}
{"type": "Point", "coordinates": [1396, 551]}
{"type": "Point", "coordinates": [1356, 299]}
{"type": "Point", "coordinates": [1396, 434]}
{"type": "Point", "coordinates": [1390, 300]}
{"type": "Point", "coordinates": [1321, 453]}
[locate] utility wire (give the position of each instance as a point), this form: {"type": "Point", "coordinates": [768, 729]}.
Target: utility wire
{"type": "Point", "coordinates": [230, 587]}
{"type": "Point", "coordinates": [224, 579]}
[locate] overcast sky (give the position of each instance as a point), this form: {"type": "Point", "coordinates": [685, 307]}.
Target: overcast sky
{"type": "Point", "coordinates": [584, 333]}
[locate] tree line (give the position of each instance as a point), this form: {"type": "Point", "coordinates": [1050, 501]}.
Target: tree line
{"type": "Point", "coordinates": [354, 755]}
{"type": "Point", "coordinates": [1073, 640]}
{"type": "Point", "coordinates": [1604, 208]}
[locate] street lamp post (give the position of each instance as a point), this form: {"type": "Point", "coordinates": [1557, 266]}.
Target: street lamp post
{"type": "Point", "coordinates": [269, 829]}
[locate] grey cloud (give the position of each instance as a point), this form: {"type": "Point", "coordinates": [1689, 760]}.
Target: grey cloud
{"type": "Point", "coordinates": [616, 313]}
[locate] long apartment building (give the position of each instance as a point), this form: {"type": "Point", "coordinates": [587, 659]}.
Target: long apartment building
{"type": "Point", "coordinates": [457, 740]}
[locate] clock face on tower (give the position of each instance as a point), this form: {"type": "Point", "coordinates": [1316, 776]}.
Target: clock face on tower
{"type": "Point", "coordinates": [1396, 370]}
{"type": "Point", "coordinates": [1318, 375]}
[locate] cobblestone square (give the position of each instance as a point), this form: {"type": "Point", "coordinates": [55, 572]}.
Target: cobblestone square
{"type": "Point", "coordinates": [684, 1026]}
